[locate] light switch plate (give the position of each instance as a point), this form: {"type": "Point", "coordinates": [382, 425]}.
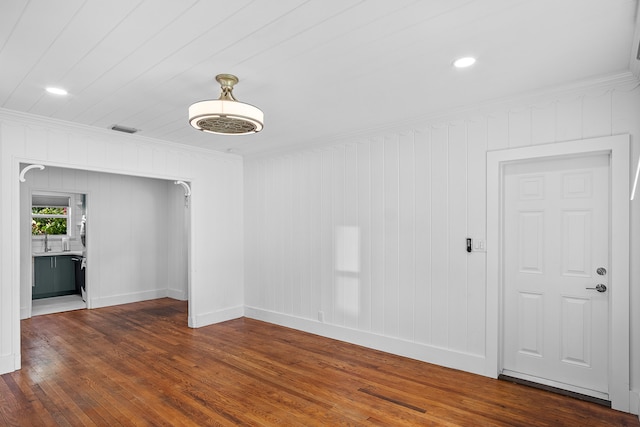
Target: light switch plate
{"type": "Point", "coordinates": [479, 245]}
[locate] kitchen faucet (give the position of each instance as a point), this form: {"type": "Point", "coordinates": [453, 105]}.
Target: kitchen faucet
{"type": "Point", "coordinates": [46, 243]}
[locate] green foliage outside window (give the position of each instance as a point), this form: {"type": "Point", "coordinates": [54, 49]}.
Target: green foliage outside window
{"type": "Point", "coordinates": [49, 220]}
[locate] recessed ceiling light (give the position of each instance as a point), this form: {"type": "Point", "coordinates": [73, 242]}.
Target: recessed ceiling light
{"type": "Point", "coordinates": [56, 90]}
{"type": "Point", "coordinates": [464, 62]}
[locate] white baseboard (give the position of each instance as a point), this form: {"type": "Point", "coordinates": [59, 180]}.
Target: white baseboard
{"type": "Point", "coordinates": [206, 319]}
{"type": "Point", "coordinates": [127, 298]}
{"type": "Point", "coordinates": [9, 363]}
{"type": "Point", "coordinates": [439, 356]}
{"type": "Point", "coordinates": [634, 406]}
{"type": "Point", "coordinates": [180, 295]}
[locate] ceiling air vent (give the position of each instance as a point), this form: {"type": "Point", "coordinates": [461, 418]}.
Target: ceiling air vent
{"type": "Point", "coordinates": [124, 129]}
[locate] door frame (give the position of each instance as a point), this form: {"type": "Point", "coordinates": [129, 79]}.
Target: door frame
{"type": "Point", "coordinates": [618, 148]}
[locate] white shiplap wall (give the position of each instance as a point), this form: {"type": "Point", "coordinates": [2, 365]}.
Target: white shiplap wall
{"type": "Point", "coordinates": [410, 197]}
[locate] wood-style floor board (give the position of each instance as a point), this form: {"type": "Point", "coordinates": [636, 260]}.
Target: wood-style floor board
{"type": "Point", "coordinates": [139, 364]}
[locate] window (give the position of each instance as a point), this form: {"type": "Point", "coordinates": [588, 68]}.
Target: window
{"type": "Point", "coordinates": [49, 214]}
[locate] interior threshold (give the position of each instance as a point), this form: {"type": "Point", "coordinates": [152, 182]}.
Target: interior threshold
{"type": "Point", "coordinates": [57, 304]}
{"type": "Point", "coordinates": [556, 390]}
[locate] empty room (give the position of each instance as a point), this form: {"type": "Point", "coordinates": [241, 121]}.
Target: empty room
{"type": "Point", "coordinates": [306, 212]}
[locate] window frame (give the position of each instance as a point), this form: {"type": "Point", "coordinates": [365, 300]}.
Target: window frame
{"type": "Point", "coordinates": [66, 217]}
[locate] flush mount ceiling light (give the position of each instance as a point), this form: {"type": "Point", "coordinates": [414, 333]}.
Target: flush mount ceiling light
{"type": "Point", "coordinates": [226, 115]}
{"type": "Point", "coordinates": [464, 62]}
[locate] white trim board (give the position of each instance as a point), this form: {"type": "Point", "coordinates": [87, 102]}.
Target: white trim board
{"type": "Point", "coordinates": [618, 147]}
{"type": "Point", "coordinates": [459, 360]}
{"type": "Point", "coordinates": [635, 403]}
{"type": "Point", "coordinates": [127, 298]}
{"type": "Point", "coordinates": [217, 316]}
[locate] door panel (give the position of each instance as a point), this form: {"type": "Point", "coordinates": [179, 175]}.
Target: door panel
{"type": "Point", "coordinates": [556, 225]}
{"type": "Point", "coordinates": [576, 243]}
{"type": "Point", "coordinates": [576, 347]}
{"type": "Point", "coordinates": [531, 227]}
{"type": "Point", "coordinates": [42, 277]}
{"type": "Point", "coordinates": [530, 327]}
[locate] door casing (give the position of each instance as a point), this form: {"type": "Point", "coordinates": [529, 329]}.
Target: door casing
{"type": "Point", "coordinates": [618, 148]}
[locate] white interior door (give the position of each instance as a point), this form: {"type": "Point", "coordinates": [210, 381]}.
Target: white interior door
{"type": "Point", "coordinates": [556, 251]}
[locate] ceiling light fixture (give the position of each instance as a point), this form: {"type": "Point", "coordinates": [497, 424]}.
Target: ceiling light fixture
{"type": "Point", "coordinates": [226, 115]}
{"type": "Point", "coordinates": [464, 62]}
{"type": "Point", "coordinates": [56, 90]}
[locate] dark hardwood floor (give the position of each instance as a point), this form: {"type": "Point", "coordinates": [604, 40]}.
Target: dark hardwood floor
{"type": "Point", "coordinates": [139, 364]}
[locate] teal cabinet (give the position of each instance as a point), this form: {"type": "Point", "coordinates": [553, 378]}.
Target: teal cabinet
{"type": "Point", "coordinates": [42, 277]}
{"type": "Point", "coordinates": [53, 276]}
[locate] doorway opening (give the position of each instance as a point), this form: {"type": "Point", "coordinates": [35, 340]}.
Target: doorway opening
{"type": "Point", "coordinates": [58, 239]}
{"type": "Point", "coordinates": [125, 238]}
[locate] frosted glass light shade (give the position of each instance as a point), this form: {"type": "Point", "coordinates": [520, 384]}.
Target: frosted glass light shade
{"type": "Point", "coordinates": [226, 117]}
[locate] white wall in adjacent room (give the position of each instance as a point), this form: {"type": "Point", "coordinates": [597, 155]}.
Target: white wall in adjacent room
{"type": "Point", "coordinates": [130, 223]}
{"type": "Point", "coordinates": [177, 229]}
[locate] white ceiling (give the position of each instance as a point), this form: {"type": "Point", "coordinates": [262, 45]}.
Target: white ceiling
{"type": "Point", "coordinates": [318, 68]}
